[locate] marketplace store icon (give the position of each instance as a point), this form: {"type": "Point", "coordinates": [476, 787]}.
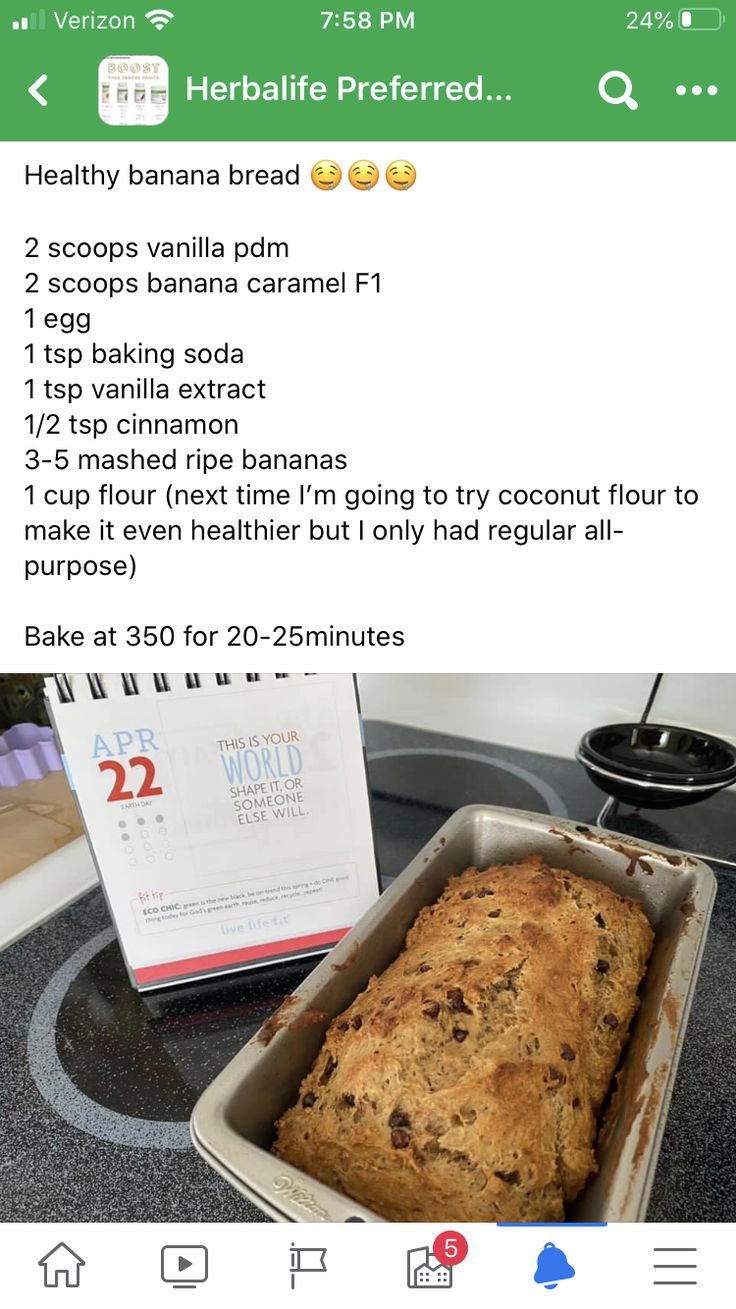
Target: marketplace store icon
{"type": "Point", "coordinates": [133, 90]}
{"type": "Point", "coordinates": [427, 1268]}
{"type": "Point", "coordinates": [424, 1270]}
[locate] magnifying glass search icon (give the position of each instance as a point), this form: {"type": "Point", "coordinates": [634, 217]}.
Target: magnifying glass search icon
{"type": "Point", "coordinates": [624, 97]}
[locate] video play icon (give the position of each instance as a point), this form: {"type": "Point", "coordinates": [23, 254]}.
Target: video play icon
{"type": "Point", "coordinates": [184, 1265]}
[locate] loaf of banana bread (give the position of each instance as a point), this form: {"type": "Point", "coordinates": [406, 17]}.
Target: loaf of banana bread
{"type": "Point", "coordinates": [466, 1081]}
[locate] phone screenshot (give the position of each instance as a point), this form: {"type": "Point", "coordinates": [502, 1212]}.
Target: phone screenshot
{"type": "Point", "coordinates": [390, 350]}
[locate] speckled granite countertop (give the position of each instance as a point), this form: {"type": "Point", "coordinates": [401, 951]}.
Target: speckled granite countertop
{"type": "Point", "coordinates": [97, 1082]}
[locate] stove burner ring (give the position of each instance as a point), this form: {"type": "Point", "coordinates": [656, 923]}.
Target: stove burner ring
{"type": "Point", "coordinates": [554, 802]}
{"type": "Point", "coordinates": [56, 1086]}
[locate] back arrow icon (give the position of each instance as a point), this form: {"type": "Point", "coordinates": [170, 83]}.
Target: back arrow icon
{"type": "Point", "coordinates": [34, 91]}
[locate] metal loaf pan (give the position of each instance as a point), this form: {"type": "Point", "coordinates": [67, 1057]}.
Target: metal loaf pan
{"type": "Point", "coordinates": [232, 1123]}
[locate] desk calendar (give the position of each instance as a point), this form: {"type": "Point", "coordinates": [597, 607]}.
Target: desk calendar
{"type": "Point", "coordinates": [228, 814]}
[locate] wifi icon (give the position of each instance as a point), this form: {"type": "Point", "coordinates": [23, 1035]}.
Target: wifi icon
{"type": "Point", "coordinates": [159, 17]}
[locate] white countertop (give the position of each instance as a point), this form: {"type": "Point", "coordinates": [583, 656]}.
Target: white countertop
{"type": "Point", "coordinates": [38, 892]}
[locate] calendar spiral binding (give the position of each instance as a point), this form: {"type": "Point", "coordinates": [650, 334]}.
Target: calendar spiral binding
{"type": "Point", "coordinates": [71, 687]}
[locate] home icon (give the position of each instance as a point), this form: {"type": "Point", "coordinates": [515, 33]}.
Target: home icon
{"type": "Point", "coordinates": [61, 1266]}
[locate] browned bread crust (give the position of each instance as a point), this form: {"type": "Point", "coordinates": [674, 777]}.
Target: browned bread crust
{"type": "Point", "coordinates": [465, 1082]}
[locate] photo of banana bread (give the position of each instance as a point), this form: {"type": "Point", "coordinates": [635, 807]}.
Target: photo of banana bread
{"type": "Point", "coordinates": [466, 1081]}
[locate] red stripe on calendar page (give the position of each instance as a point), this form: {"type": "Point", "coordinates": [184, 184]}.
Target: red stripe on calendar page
{"type": "Point", "coordinates": [200, 964]}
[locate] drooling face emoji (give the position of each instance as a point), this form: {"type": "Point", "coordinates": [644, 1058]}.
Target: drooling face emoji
{"type": "Point", "coordinates": [326, 174]}
{"type": "Point", "coordinates": [363, 175]}
{"type": "Point", "coordinates": [401, 175]}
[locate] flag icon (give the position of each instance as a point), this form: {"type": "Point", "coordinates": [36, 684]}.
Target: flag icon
{"type": "Point", "coordinates": [307, 1259]}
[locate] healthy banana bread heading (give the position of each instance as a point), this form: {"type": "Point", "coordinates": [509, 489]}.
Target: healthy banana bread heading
{"type": "Point", "coordinates": [465, 1082]}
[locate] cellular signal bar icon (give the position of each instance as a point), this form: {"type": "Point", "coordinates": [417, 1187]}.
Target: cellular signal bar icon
{"type": "Point", "coordinates": [30, 23]}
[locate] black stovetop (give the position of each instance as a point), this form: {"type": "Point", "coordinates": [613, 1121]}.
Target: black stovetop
{"type": "Point", "coordinates": [98, 1081]}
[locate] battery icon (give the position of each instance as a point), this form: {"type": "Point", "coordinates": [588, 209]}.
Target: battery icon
{"type": "Point", "coordinates": [701, 20]}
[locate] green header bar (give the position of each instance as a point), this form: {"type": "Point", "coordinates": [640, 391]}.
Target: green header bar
{"type": "Point", "coordinates": [486, 70]}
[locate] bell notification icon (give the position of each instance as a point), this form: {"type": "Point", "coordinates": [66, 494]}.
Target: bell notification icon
{"type": "Point", "coordinates": [552, 1267]}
